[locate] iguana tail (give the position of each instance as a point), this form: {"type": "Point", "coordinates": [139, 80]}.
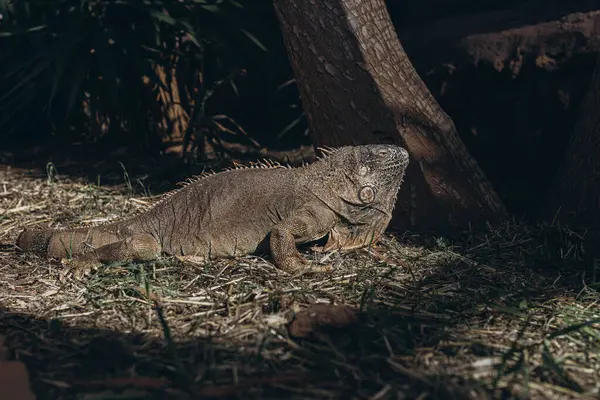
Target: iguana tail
{"type": "Point", "coordinates": [61, 243]}
{"type": "Point", "coordinates": [34, 241]}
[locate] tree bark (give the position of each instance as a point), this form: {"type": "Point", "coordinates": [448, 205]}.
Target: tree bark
{"type": "Point", "coordinates": [358, 86]}
{"type": "Point", "coordinates": [574, 197]}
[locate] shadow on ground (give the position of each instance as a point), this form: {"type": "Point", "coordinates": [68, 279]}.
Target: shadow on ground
{"type": "Point", "coordinates": [436, 322]}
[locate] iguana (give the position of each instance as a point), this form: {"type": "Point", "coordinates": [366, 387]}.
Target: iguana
{"type": "Point", "coordinates": [348, 194]}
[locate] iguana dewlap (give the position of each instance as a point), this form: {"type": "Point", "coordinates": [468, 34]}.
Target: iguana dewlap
{"type": "Point", "coordinates": [349, 195]}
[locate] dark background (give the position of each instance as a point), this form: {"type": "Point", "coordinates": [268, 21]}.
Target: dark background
{"type": "Point", "coordinates": [515, 120]}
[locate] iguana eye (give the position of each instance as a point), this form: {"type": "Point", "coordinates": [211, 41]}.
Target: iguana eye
{"type": "Point", "coordinates": [366, 194]}
{"type": "Point", "coordinates": [382, 153]}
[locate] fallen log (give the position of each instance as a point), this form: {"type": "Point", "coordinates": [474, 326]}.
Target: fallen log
{"type": "Point", "coordinates": [506, 38]}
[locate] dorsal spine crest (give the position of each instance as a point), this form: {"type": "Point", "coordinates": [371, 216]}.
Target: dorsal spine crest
{"type": "Point", "coordinates": [260, 164]}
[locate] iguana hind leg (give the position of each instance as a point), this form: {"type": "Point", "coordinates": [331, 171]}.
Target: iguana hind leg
{"type": "Point", "coordinates": [307, 225]}
{"type": "Point", "coordinates": [142, 247]}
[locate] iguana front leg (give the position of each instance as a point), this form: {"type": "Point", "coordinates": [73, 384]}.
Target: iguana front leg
{"type": "Point", "coordinates": [304, 226]}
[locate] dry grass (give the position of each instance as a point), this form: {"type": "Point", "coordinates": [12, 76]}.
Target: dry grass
{"type": "Point", "coordinates": [512, 313]}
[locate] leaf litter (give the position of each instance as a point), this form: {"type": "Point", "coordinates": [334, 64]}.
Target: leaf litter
{"type": "Point", "coordinates": [512, 312]}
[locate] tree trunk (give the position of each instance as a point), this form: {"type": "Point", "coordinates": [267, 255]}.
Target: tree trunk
{"type": "Point", "coordinates": [357, 86]}
{"type": "Point", "coordinates": [574, 197]}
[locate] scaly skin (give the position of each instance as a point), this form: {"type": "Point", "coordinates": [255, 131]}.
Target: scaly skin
{"type": "Point", "coordinates": [349, 195]}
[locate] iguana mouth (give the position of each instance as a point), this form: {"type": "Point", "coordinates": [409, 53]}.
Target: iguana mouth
{"type": "Point", "coordinates": [395, 166]}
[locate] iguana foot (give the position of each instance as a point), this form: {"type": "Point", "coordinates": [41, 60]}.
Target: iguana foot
{"type": "Point", "coordinates": [317, 268]}
{"type": "Point", "coordinates": [77, 267]}
{"type": "Point", "coordinates": [299, 266]}
{"type": "Point", "coordinates": [317, 248]}
{"type": "Point", "coordinates": [322, 249]}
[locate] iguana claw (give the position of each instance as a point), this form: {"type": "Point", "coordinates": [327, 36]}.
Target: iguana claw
{"type": "Point", "coordinates": [77, 268]}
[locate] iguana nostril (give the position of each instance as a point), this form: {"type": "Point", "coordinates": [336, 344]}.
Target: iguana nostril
{"type": "Point", "coordinates": [403, 152]}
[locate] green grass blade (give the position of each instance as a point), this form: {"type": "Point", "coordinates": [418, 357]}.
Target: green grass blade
{"type": "Point", "coordinates": [23, 31]}
{"type": "Point", "coordinates": [573, 328]}
{"type": "Point", "coordinates": [254, 40]}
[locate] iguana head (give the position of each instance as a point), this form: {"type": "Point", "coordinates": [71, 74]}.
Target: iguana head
{"type": "Point", "coordinates": [360, 183]}
{"type": "Point", "coordinates": [368, 175]}
{"type": "Point", "coordinates": [380, 168]}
